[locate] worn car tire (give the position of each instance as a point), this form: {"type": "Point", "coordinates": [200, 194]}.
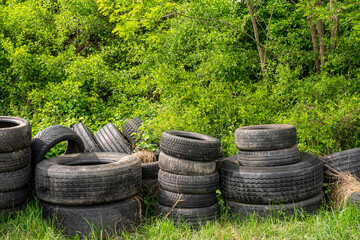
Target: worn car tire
{"type": "Point", "coordinates": [87, 178]}
{"type": "Point", "coordinates": [12, 161]}
{"type": "Point", "coordinates": [131, 128]}
{"type": "Point", "coordinates": [193, 216]}
{"type": "Point", "coordinates": [307, 205]}
{"type": "Point", "coordinates": [90, 143]}
{"type": "Point", "coordinates": [188, 184]}
{"type": "Point", "coordinates": [182, 200]}
{"type": "Point", "coordinates": [110, 139]}
{"type": "Point", "coordinates": [51, 136]}
{"type": "Point", "coordinates": [15, 134]}
{"type": "Point", "coordinates": [82, 219]}
{"type": "Point", "coordinates": [340, 162]}
{"type": "Point", "coordinates": [265, 137]}
{"type": "Point", "coordinates": [270, 158]}
{"type": "Point", "coordinates": [13, 198]}
{"type": "Point", "coordinates": [264, 185]}
{"type": "Point", "coordinates": [189, 145]}
{"type": "Point", "coordinates": [185, 167]}
{"type": "Point", "coordinates": [150, 170]}
{"type": "Point", "coordinates": [10, 181]}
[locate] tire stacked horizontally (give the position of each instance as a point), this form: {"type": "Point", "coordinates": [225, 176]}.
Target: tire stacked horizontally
{"type": "Point", "coordinates": [88, 191]}
{"type": "Point", "coordinates": [15, 158]}
{"type": "Point", "coordinates": [187, 177]}
{"type": "Point", "coordinates": [270, 173]}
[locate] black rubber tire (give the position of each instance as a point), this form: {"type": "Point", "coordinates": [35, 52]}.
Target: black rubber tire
{"type": "Point", "coordinates": [167, 198]}
{"type": "Point", "coordinates": [269, 158]}
{"type": "Point", "coordinates": [81, 219]}
{"type": "Point", "coordinates": [10, 212]}
{"type": "Point", "coordinates": [51, 136]}
{"type": "Point", "coordinates": [188, 184]}
{"type": "Point", "coordinates": [189, 145]}
{"type": "Point", "coordinates": [15, 134]}
{"type": "Point", "coordinates": [185, 167]}
{"type": "Point", "coordinates": [90, 143]}
{"type": "Point", "coordinates": [265, 137]}
{"type": "Point", "coordinates": [131, 127]}
{"type": "Point", "coordinates": [149, 185]}
{"type": "Point", "coordinates": [12, 161]}
{"type": "Point", "coordinates": [87, 178]}
{"type": "Point", "coordinates": [265, 185]}
{"type": "Point", "coordinates": [110, 139]}
{"type": "Point", "coordinates": [308, 206]}
{"type": "Point", "coordinates": [193, 216]}
{"type": "Point", "coordinates": [150, 170]}
{"type": "Point", "coordinates": [344, 161]}
{"type": "Point", "coordinates": [13, 198]}
{"type": "Point", "coordinates": [10, 181]}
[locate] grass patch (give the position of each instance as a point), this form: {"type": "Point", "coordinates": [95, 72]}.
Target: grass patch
{"type": "Point", "coordinates": [326, 223]}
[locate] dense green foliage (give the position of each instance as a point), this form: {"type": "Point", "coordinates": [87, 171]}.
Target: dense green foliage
{"type": "Point", "coordinates": [185, 65]}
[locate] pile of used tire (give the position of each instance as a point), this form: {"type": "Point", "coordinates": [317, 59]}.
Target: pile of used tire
{"type": "Point", "coordinates": [270, 173]}
{"type": "Point", "coordinates": [90, 191]}
{"type": "Point", "coordinates": [110, 139]}
{"type": "Point", "coordinates": [187, 177]}
{"type": "Point", "coordinates": [15, 157]}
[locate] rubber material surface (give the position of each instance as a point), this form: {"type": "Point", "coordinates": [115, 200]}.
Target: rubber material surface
{"type": "Point", "coordinates": [15, 134]}
{"type": "Point", "coordinates": [264, 185]}
{"type": "Point", "coordinates": [189, 145]}
{"type": "Point", "coordinates": [79, 219]}
{"type": "Point", "coordinates": [88, 178]}
{"type": "Point", "coordinates": [90, 143]}
{"type": "Point", "coordinates": [10, 181]}
{"type": "Point", "coordinates": [194, 216]}
{"type": "Point", "coordinates": [131, 127]}
{"type": "Point", "coordinates": [188, 184]}
{"type": "Point", "coordinates": [269, 158]}
{"type": "Point", "coordinates": [182, 200]}
{"type": "Point", "coordinates": [13, 198]}
{"type": "Point", "coordinates": [150, 170]}
{"type": "Point", "coordinates": [185, 167]}
{"type": "Point", "coordinates": [308, 205]}
{"type": "Point", "coordinates": [16, 160]}
{"type": "Point", "coordinates": [110, 139]}
{"type": "Point", "coordinates": [265, 137]}
{"type": "Point", "coordinates": [49, 137]}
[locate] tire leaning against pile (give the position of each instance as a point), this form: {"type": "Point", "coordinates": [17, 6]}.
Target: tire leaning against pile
{"type": "Point", "coordinates": [131, 128]}
{"type": "Point", "coordinates": [265, 185]}
{"type": "Point", "coordinates": [110, 139]}
{"type": "Point", "coordinates": [90, 143]}
{"type": "Point", "coordinates": [88, 178]}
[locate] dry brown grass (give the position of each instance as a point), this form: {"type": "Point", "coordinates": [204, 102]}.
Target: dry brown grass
{"type": "Point", "coordinates": [345, 185]}
{"type": "Point", "coordinates": [146, 156]}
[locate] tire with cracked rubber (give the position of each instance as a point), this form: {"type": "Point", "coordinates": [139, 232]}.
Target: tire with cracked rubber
{"type": "Point", "coordinates": [190, 145]}
{"type": "Point", "coordinates": [339, 162]}
{"type": "Point", "coordinates": [15, 134]}
{"type": "Point", "coordinates": [13, 198]}
{"type": "Point", "coordinates": [185, 167]}
{"type": "Point", "coordinates": [90, 143]}
{"type": "Point", "coordinates": [188, 184]}
{"type": "Point", "coordinates": [131, 128]}
{"type": "Point", "coordinates": [308, 205]}
{"type": "Point", "coordinates": [110, 139]}
{"type": "Point", "coordinates": [87, 178]}
{"type": "Point", "coordinates": [193, 216]}
{"type": "Point", "coordinates": [51, 136]}
{"type": "Point", "coordinates": [265, 137]}
{"type": "Point", "coordinates": [182, 200]}
{"type": "Point", "coordinates": [10, 181]}
{"type": "Point", "coordinates": [12, 161]}
{"type": "Point", "coordinates": [270, 158]}
{"type": "Point", "coordinates": [82, 219]}
{"type": "Point", "coordinates": [265, 185]}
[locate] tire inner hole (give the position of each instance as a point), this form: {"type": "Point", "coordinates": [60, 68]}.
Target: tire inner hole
{"type": "Point", "coordinates": [87, 162]}
{"type": "Point", "coordinates": [190, 137]}
{"type": "Point", "coordinates": [8, 124]}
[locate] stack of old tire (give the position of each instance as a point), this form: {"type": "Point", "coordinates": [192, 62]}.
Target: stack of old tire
{"type": "Point", "coordinates": [87, 192]}
{"type": "Point", "coordinates": [270, 173]}
{"type": "Point", "coordinates": [15, 157]}
{"type": "Point", "coordinates": [187, 177]}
